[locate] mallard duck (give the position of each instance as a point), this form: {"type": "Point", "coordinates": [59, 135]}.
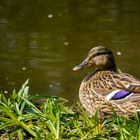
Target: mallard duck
{"type": "Point", "coordinates": [107, 87]}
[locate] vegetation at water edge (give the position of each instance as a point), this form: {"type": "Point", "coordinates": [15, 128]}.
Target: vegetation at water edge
{"type": "Point", "coordinates": [28, 117]}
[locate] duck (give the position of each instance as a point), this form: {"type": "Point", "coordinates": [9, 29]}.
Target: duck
{"type": "Point", "coordinates": [107, 89]}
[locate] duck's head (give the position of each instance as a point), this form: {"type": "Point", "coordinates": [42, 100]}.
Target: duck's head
{"type": "Point", "coordinates": [100, 57]}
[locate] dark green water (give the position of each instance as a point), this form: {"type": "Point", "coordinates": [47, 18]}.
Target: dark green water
{"type": "Point", "coordinates": [43, 39]}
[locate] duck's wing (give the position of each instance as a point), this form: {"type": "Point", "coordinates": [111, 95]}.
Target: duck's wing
{"type": "Point", "coordinates": [116, 86]}
{"type": "Point", "coordinates": [124, 87]}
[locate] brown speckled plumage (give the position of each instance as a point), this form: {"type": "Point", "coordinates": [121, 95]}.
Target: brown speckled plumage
{"type": "Point", "coordinates": [96, 89]}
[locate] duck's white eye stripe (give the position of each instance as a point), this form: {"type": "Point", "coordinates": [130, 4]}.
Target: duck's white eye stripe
{"type": "Point", "coordinates": [118, 95]}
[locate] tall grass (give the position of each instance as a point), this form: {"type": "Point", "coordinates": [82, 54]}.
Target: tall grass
{"type": "Point", "coordinates": [22, 118]}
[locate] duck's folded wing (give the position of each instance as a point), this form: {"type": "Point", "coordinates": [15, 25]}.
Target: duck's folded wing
{"type": "Point", "coordinates": [127, 88]}
{"type": "Point", "coordinates": [125, 81]}
{"type": "Point", "coordinates": [134, 87]}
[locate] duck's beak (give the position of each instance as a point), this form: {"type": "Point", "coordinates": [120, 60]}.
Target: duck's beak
{"type": "Point", "coordinates": [81, 66]}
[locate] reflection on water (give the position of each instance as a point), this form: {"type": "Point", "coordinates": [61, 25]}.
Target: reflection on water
{"type": "Point", "coordinates": [42, 40]}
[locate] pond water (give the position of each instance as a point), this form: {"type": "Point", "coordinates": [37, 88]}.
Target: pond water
{"type": "Point", "coordinates": [44, 39]}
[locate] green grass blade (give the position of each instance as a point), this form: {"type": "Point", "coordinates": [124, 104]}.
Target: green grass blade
{"type": "Point", "coordinates": [8, 124]}
{"type": "Point", "coordinates": [57, 127]}
{"type": "Point", "coordinates": [27, 128]}
{"type": "Point", "coordinates": [3, 99]}
{"type": "Point", "coordinates": [20, 135]}
{"type": "Point", "coordinates": [51, 127]}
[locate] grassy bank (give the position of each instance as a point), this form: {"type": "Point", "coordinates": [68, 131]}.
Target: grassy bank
{"type": "Point", "coordinates": [25, 117]}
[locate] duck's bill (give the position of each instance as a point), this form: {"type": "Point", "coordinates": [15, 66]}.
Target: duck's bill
{"type": "Point", "coordinates": [80, 66]}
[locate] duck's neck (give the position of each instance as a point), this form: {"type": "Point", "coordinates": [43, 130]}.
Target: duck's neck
{"type": "Point", "coordinates": [90, 75]}
{"type": "Point", "coordinates": [109, 68]}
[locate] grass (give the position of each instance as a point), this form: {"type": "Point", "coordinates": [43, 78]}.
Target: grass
{"type": "Point", "coordinates": [23, 118]}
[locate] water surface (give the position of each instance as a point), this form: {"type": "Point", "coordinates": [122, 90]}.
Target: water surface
{"type": "Point", "coordinates": [44, 39]}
